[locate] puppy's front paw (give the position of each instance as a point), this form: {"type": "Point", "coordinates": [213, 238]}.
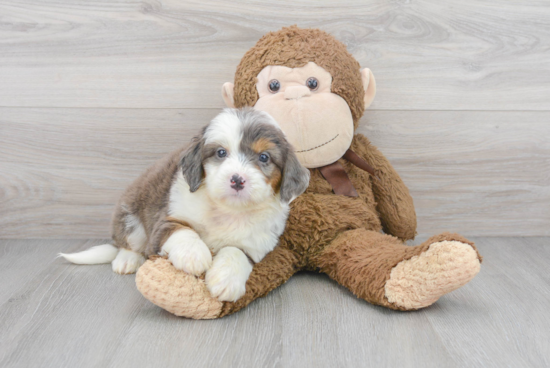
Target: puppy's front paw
{"type": "Point", "coordinates": [227, 277]}
{"type": "Point", "coordinates": [187, 252]}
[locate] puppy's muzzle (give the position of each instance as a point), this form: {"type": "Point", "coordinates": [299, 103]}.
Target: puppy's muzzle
{"type": "Point", "coordinates": [237, 182]}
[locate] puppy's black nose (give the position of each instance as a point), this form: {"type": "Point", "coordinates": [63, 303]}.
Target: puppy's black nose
{"type": "Point", "coordinates": [237, 182]}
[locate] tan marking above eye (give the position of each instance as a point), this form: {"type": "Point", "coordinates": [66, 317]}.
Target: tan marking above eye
{"type": "Point", "coordinates": [262, 144]}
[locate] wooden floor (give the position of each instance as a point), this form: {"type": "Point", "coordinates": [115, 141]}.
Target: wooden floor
{"type": "Point", "coordinates": [54, 314]}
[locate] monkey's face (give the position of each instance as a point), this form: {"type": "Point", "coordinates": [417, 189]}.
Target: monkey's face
{"type": "Point", "coordinates": [317, 122]}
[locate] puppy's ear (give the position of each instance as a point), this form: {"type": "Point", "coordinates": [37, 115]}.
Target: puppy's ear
{"type": "Point", "coordinates": [295, 178]}
{"type": "Point", "coordinates": [191, 164]}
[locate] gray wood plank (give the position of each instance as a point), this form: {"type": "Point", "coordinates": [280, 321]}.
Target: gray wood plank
{"type": "Point", "coordinates": [22, 260]}
{"type": "Point", "coordinates": [324, 325]}
{"type": "Point", "coordinates": [501, 318]}
{"type": "Point", "coordinates": [85, 316]}
{"type": "Point", "coordinates": [67, 315]}
{"type": "Point", "coordinates": [444, 55]}
{"type": "Point", "coordinates": [251, 338]}
{"type": "Point", "coordinates": [481, 173]}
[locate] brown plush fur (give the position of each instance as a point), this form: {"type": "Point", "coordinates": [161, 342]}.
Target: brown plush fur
{"type": "Point", "coordinates": [334, 234]}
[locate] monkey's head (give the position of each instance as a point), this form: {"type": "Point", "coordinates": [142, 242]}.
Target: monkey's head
{"type": "Point", "coordinates": [311, 85]}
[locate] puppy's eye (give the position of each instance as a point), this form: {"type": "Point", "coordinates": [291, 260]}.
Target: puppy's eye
{"type": "Point", "coordinates": [274, 86]}
{"type": "Point", "coordinates": [264, 157]}
{"type": "Point", "coordinates": [221, 153]}
{"type": "Point", "coordinates": [312, 83]}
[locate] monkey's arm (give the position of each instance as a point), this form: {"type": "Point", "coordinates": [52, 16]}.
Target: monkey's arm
{"type": "Point", "coordinates": [395, 204]}
{"type": "Point", "coordinates": [187, 295]}
{"type": "Point", "coordinates": [272, 271]}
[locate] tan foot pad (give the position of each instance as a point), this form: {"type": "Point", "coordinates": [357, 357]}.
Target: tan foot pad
{"type": "Point", "coordinates": [421, 280]}
{"type": "Point", "coordinates": [176, 291]}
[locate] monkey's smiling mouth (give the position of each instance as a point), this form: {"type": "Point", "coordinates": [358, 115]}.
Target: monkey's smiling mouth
{"type": "Point", "coordinates": [321, 145]}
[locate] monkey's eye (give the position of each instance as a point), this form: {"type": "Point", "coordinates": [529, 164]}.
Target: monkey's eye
{"type": "Point", "coordinates": [274, 86]}
{"type": "Point", "coordinates": [221, 153]}
{"type": "Point", "coordinates": [264, 157]}
{"type": "Point", "coordinates": [312, 83]}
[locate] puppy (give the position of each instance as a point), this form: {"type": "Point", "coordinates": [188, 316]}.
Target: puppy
{"type": "Point", "coordinates": [226, 195]}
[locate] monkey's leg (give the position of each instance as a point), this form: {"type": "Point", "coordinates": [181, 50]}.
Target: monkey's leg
{"type": "Point", "coordinates": [187, 296]}
{"type": "Point", "coordinates": [384, 271]}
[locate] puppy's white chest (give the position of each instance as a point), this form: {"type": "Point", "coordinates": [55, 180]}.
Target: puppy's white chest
{"type": "Point", "coordinates": [231, 229]}
{"type": "Point", "coordinates": [255, 232]}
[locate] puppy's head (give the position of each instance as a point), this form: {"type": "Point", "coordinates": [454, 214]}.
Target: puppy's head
{"type": "Point", "coordinates": [242, 158]}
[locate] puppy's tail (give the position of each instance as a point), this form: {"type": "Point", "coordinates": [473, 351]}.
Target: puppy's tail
{"type": "Point", "coordinates": [95, 255]}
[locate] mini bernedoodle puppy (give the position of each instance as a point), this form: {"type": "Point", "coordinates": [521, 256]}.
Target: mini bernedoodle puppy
{"type": "Point", "coordinates": [226, 194]}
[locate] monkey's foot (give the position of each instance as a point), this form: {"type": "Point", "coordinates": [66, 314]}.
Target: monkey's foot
{"type": "Point", "coordinates": [176, 291]}
{"type": "Point", "coordinates": [420, 281]}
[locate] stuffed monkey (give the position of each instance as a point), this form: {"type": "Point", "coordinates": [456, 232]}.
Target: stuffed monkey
{"type": "Point", "coordinates": [317, 92]}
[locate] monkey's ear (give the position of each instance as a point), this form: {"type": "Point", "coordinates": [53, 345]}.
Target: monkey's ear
{"type": "Point", "coordinates": [369, 85]}
{"type": "Point", "coordinates": [227, 94]}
